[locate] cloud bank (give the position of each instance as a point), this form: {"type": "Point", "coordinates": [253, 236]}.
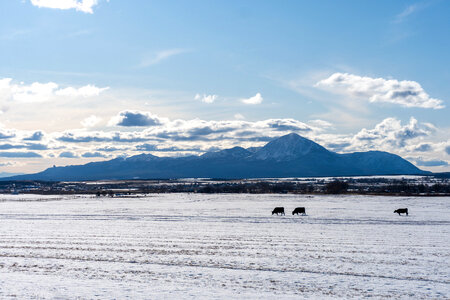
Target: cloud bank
{"type": "Point", "coordinates": [137, 131]}
{"type": "Point", "coordinates": [41, 92]}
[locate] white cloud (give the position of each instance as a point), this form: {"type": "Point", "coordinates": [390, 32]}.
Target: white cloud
{"type": "Point", "coordinates": [239, 117]}
{"type": "Point", "coordinates": [84, 91]}
{"type": "Point", "coordinates": [160, 56]}
{"type": "Point", "coordinates": [404, 93]}
{"type": "Point", "coordinates": [390, 133]}
{"type": "Point", "coordinates": [42, 92]}
{"type": "Point", "coordinates": [35, 92]}
{"type": "Point", "coordinates": [206, 98]}
{"type": "Point", "coordinates": [321, 123]}
{"type": "Point", "coordinates": [133, 118]}
{"type": "Point", "coordinates": [68, 154]}
{"type": "Point", "coordinates": [420, 161]}
{"type": "Point", "coordinates": [91, 121]}
{"type": "Point", "coordinates": [6, 133]}
{"type": "Point", "coordinates": [79, 5]}
{"type": "Point", "coordinates": [257, 99]}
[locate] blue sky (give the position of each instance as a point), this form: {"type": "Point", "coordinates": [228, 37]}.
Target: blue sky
{"type": "Point", "coordinates": [99, 79]}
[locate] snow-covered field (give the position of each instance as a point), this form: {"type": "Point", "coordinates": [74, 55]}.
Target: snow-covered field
{"type": "Point", "coordinates": [223, 246]}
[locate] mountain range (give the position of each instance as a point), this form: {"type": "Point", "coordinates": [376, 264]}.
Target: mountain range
{"type": "Point", "coordinates": [287, 156]}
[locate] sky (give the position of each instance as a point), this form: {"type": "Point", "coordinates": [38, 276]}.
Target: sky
{"type": "Point", "coordinates": [91, 80]}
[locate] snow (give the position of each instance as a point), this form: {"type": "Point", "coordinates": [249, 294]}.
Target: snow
{"type": "Point", "coordinates": [288, 146]}
{"type": "Point", "coordinates": [223, 246]}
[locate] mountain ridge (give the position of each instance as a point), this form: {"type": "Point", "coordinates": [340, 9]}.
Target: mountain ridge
{"type": "Point", "coordinates": [288, 156]}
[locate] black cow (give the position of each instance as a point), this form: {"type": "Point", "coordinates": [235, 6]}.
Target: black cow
{"type": "Point", "coordinates": [278, 210]}
{"type": "Point", "coordinates": [299, 210]}
{"type": "Point", "coordinates": [401, 211]}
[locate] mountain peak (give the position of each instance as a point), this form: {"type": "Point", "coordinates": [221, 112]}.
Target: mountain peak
{"type": "Point", "coordinates": [236, 152]}
{"type": "Point", "coordinates": [288, 147]}
{"type": "Point", "coordinates": [142, 157]}
{"type": "Point", "coordinates": [291, 135]}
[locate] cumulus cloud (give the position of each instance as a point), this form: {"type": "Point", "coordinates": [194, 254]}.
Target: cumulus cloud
{"type": "Point", "coordinates": [34, 146]}
{"type": "Point", "coordinates": [35, 92]}
{"type": "Point", "coordinates": [430, 163]}
{"type": "Point", "coordinates": [91, 121]}
{"type": "Point", "coordinates": [93, 154]}
{"type": "Point", "coordinates": [36, 136]}
{"type": "Point", "coordinates": [79, 5]}
{"type": "Point", "coordinates": [108, 149]}
{"type": "Point", "coordinates": [67, 154]}
{"type": "Point", "coordinates": [78, 136]}
{"type": "Point", "coordinates": [10, 146]}
{"type": "Point", "coordinates": [42, 92]}
{"type": "Point", "coordinates": [146, 147]}
{"type": "Point", "coordinates": [389, 135]}
{"type": "Point", "coordinates": [84, 137]}
{"type": "Point", "coordinates": [338, 147]}
{"type": "Point", "coordinates": [29, 146]}
{"type": "Point", "coordinates": [423, 148]}
{"type": "Point", "coordinates": [257, 99]}
{"type": "Point", "coordinates": [288, 125]}
{"type": "Point", "coordinates": [320, 123]}
{"type": "Point", "coordinates": [20, 154]}
{"type": "Point", "coordinates": [84, 91]}
{"type": "Point", "coordinates": [391, 132]}
{"type": "Point", "coordinates": [131, 118]}
{"type": "Point", "coordinates": [206, 98]}
{"type": "Point", "coordinates": [405, 93]}
{"type": "Point", "coordinates": [6, 134]}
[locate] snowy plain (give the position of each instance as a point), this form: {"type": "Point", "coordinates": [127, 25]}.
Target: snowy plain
{"type": "Point", "coordinates": [223, 246]}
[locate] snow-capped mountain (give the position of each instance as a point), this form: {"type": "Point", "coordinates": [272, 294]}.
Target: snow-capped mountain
{"type": "Point", "coordinates": [236, 152]}
{"type": "Point", "coordinates": [287, 156]}
{"type": "Point", "coordinates": [288, 147]}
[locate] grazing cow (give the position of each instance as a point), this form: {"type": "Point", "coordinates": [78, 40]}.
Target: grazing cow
{"type": "Point", "coordinates": [299, 210]}
{"type": "Point", "coordinates": [401, 211]}
{"type": "Point", "coordinates": [278, 210]}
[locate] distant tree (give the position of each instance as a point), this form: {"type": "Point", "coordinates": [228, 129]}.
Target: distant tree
{"type": "Point", "coordinates": [336, 187]}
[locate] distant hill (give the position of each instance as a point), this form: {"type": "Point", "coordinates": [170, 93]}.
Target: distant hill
{"type": "Point", "coordinates": [442, 175]}
{"type": "Point", "coordinates": [287, 156]}
{"type": "Point", "coordinates": [7, 174]}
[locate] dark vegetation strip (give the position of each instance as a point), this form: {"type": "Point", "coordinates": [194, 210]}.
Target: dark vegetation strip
{"type": "Point", "coordinates": [426, 186]}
